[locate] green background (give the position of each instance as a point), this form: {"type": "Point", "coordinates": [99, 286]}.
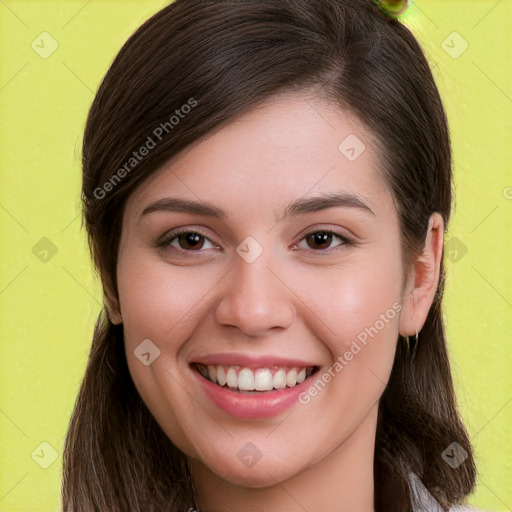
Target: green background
{"type": "Point", "coordinates": [50, 298]}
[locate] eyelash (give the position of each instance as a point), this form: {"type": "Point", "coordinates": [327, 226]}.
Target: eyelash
{"type": "Point", "coordinates": [167, 239]}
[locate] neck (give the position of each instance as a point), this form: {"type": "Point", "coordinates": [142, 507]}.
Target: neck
{"type": "Point", "coordinates": [342, 481]}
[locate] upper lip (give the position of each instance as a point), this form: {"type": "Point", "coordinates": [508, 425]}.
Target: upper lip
{"type": "Point", "coordinates": [251, 360]}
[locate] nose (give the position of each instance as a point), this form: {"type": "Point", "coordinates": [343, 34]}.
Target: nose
{"type": "Point", "coordinates": [255, 299]}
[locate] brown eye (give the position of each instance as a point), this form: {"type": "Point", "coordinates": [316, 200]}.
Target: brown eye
{"type": "Point", "coordinates": [319, 240]}
{"type": "Point", "coordinates": [190, 241]}
{"type": "Point", "coordinates": [185, 241]}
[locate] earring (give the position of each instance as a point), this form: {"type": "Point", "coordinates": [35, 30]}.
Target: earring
{"type": "Point", "coordinates": [414, 345]}
{"type": "Point", "coordinates": [411, 345]}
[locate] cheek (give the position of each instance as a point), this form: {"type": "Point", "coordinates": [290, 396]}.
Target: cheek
{"type": "Point", "coordinates": [351, 298]}
{"type": "Point", "coordinates": [161, 302]}
{"type": "Point", "coordinates": [356, 310]}
{"type": "Point", "coordinates": [365, 299]}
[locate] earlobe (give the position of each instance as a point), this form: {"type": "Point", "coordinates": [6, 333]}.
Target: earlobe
{"type": "Point", "coordinates": [424, 279]}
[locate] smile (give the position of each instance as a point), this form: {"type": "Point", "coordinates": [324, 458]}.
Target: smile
{"type": "Point", "coordinates": [247, 380]}
{"type": "Point", "coordinates": [249, 387]}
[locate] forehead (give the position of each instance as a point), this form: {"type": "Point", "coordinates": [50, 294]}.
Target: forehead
{"type": "Point", "coordinates": [289, 147]}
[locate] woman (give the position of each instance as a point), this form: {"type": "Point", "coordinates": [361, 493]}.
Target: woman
{"type": "Point", "coordinates": [266, 189]}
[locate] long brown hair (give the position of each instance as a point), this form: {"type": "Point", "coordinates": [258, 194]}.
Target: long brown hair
{"type": "Point", "coordinates": [226, 57]}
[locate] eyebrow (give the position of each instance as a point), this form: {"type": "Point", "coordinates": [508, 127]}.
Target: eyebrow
{"type": "Point", "coordinates": [299, 207]}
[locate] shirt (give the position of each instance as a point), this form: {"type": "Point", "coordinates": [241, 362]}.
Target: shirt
{"type": "Point", "coordinates": [423, 501]}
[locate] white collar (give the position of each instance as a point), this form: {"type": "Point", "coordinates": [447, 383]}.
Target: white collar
{"type": "Point", "coordinates": [423, 501]}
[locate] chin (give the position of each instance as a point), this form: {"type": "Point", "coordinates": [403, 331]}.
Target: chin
{"type": "Point", "coordinates": [266, 472]}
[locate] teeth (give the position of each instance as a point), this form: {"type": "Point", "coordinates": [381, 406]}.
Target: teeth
{"type": "Point", "coordinates": [245, 380]}
{"type": "Point", "coordinates": [221, 376]}
{"type": "Point", "coordinates": [280, 379]}
{"type": "Point", "coordinates": [232, 378]}
{"type": "Point", "coordinates": [291, 378]}
{"type": "Point", "coordinates": [262, 379]}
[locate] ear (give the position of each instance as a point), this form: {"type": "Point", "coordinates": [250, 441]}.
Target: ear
{"type": "Point", "coordinates": [423, 279]}
{"type": "Point", "coordinates": [112, 307]}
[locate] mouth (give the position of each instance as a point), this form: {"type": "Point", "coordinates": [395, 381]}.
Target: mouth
{"type": "Point", "coordinates": [254, 380]}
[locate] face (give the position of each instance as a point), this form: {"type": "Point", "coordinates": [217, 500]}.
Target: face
{"type": "Point", "coordinates": [268, 312]}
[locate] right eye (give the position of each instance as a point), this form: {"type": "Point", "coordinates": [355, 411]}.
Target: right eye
{"type": "Point", "coordinates": [185, 240]}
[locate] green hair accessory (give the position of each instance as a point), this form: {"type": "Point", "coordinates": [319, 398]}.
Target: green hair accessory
{"type": "Point", "coordinates": [393, 8]}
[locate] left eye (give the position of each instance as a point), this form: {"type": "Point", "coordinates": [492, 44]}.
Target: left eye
{"type": "Point", "coordinates": [324, 238]}
{"type": "Point", "coordinates": [193, 241]}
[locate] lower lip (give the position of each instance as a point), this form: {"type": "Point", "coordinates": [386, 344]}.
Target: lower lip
{"type": "Point", "coordinates": [265, 404]}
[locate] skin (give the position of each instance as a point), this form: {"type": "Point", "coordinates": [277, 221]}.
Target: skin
{"type": "Point", "coordinates": [314, 456]}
